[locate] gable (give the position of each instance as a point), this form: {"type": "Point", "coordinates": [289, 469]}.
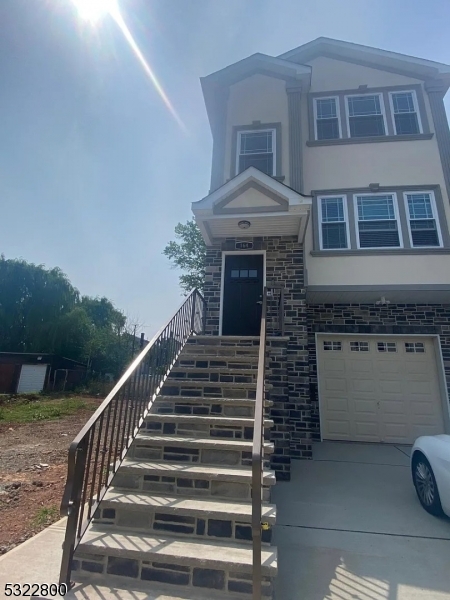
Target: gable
{"type": "Point", "coordinates": [251, 198]}
{"type": "Point", "coordinates": [329, 74]}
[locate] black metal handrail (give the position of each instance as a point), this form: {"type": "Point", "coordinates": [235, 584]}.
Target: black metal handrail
{"type": "Point", "coordinates": [258, 455]}
{"type": "Point", "coordinates": [99, 449]}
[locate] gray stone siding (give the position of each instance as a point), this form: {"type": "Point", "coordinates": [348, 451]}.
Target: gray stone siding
{"type": "Point", "coordinates": [396, 319]}
{"type": "Point", "coordinates": [291, 411]}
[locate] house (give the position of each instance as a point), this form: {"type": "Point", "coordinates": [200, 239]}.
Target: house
{"type": "Point", "coordinates": [331, 176]}
{"type": "Point", "coordinates": [30, 372]}
{"type": "Point", "coordinates": [327, 286]}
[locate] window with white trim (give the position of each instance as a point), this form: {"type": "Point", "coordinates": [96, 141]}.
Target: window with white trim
{"type": "Point", "coordinates": [335, 346]}
{"type": "Point", "coordinates": [365, 115]}
{"type": "Point", "coordinates": [328, 126]}
{"type": "Point", "coordinates": [377, 221]}
{"type": "Point", "coordinates": [387, 347]}
{"type": "Point", "coordinates": [333, 223]}
{"type": "Point", "coordinates": [405, 112]}
{"type": "Point", "coordinates": [422, 219]}
{"type": "Point", "coordinates": [359, 346]}
{"type": "Point", "coordinates": [256, 149]}
{"type": "Point", "coordinates": [415, 347]}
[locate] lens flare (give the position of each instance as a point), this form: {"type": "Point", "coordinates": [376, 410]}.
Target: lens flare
{"type": "Point", "coordinates": [93, 11]}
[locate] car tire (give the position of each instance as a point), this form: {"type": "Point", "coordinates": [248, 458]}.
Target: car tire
{"type": "Point", "coordinates": [426, 486]}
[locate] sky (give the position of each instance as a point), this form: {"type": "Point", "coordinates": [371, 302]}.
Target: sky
{"type": "Point", "coordinates": [95, 171]}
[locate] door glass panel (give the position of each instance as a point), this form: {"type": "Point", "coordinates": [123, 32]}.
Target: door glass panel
{"type": "Point", "coordinates": [359, 346]}
{"type": "Point", "coordinates": [253, 273]}
{"type": "Point", "coordinates": [234, 273]}
{"type": "Point", "coordinates": [387, 347]}
{"type": "Point", "coordinates": [416, 347]}
{"type": "Point", "coordinates": [244, 272]}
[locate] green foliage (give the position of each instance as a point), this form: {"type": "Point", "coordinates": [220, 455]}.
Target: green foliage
{"type": "Point", "coordinates": [188, 254]}
{"type": "Point", "coordinates": [46, 516]}
{"type": "Point", "coordinates": [41, 311]}
{"type": "Point", "coordinates": [26, 410]}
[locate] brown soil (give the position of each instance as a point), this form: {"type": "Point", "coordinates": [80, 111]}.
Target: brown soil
{"type": "Point", "coordinates": [33, 465]}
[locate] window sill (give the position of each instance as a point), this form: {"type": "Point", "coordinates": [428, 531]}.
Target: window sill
{"type": "Point", "coordinates": [368, 140]}
{"type": "Point", "coordinates": [381, 251]}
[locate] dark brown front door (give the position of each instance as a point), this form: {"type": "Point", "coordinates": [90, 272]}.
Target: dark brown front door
{"type": "Point", "coordinates": [242, 294]}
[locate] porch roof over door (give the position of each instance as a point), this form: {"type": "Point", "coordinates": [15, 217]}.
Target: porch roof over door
{"type": "Point", "coordinates": [266, 206]}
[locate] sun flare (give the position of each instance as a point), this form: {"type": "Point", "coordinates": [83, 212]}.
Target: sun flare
{"type": "Point", "coordinates": [94, 10]}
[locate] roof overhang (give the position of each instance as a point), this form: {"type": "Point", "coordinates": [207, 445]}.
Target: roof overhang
{"type": "Point", "coordinates": [379, 59]}
{"type": "Point", "coordinates": [216, 85]}
{"type": "Point", "coordinates": [271, 208]}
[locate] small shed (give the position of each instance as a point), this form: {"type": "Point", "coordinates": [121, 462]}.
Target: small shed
{"type": "Point", "coordinates": [27, 372]}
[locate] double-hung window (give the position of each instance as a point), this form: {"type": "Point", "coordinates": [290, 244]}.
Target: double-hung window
{"type": "Point", "coordinates": [405, 112]}
{"type": "Point", "coordinates": [333, 223]}
{"type": "Point", "coordinates": [366, 115]}
{"type": "Point", "coordinates": [326, 112]}
{"type": "Point", "coordinates": [377, 221]}
{"type": "Point", "coordinates": [256, 149]}
{"type": "Point", "coordinates": [422, 219]}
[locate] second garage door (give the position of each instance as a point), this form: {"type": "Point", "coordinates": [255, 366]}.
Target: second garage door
{"type": "Point", "coordinates": [382, 389]}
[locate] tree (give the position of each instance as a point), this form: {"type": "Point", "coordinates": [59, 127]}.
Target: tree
{"type": "Point", "coordinates": [41, 311]}
{"type": "Point", "coordinates": [32, 301]}
{"type": "Point", "coordinates": [189, 255]}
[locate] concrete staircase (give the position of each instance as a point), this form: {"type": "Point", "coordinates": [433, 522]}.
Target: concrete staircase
{"type": "Point", "coordinates": [177, 519]}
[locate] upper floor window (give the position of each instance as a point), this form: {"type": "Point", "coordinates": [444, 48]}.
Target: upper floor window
{"type": "Point", "coordinates": [327, 122]}
{"type": "Point", "coordinates": [333, 223]}
{"type": "Point", "coordinates": [366, 115]}
{"type": "Point", "coordinates": [377, 221]}
{"type": "Point", "coordinates": [422, 219]}
{"type": "Point", "coordinates": [256, 149]}
{"type": "Point", "coordinates": [405, 112]}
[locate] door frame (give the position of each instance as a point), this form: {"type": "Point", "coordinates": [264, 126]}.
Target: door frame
{"type": "Point", "coordinates": [445, 402]}
{"type": "Point", "coordinates": [226, 253]}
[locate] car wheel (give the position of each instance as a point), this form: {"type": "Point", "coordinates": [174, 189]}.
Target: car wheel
{"type": "Point", "coordinates": [425, 484]}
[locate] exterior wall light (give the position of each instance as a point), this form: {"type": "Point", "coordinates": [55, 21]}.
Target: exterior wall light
{"type": "Point", "coordinates": [244, 224]}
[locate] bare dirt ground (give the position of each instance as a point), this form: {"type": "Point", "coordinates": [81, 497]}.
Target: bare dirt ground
{"type": "Point", "coordinates": [33, 465]}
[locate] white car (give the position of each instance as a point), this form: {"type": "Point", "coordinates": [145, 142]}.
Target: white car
{"type": "Point", "coordinates": [430, 466]}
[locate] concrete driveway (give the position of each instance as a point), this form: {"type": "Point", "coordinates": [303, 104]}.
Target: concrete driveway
{"type": "Point", "coordinates": [351, 527]}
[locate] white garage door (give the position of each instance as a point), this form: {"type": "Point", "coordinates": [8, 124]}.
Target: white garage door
{"type": "Point", "coordinates": [32, 378]}
{"type": "Point", "coordinates": [378, 389]}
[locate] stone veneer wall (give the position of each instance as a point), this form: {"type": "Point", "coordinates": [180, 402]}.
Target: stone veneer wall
{"type": "Point", "coordinates": [284, 265]}
{"type": "Point", "coordinates": [396, 319]}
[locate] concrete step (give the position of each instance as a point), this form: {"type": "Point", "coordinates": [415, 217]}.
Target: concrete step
{"type": "Point", "coordinates": [214, 565]}
{"type": "Point", "coordinates": [117, 588]}
{"type": "Point", "coordinates": [187, 479]}
{"type": "Point", "coordinates": [213, 374]}
{"type": "Point", "coordinates": [217, 427]}
{"type": "Point", "coordinates": [188, 517]}
{"type": "Point", "coordinates": [212, 420]}
{"type": "Point", "coordinates": [178, 387]}
{"type": "Point", "coordinates": [192, 405]}
{"type": "Point", "coordinates": [246, 361]}
{"type": "Point", "coordinates": [205, 450]}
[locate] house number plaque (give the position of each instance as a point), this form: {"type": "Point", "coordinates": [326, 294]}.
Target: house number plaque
{"type": "Point", "coordinates": [244, 245]}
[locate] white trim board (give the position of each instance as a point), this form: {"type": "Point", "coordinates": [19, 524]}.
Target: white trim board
{"type": "Point", "coordinates": [222, 275]}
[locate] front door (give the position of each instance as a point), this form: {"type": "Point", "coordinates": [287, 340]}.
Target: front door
{"type": "Point", "coordinates": [242, 294]}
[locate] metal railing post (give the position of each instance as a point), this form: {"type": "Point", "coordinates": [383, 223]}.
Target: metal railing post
{"type": "Point", "coordinates": [258, 455]}
{"type": "Point", "coordinates": [98, 450]}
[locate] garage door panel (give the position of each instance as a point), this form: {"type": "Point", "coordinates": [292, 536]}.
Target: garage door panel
{"type": "Point", "coordinates": [380, 395]}
{"type": "Point", "coordinates": [334, 365]}
{"type": "Point", "coordinates": [388, 367]}
{"type": "Point", "coordinates": [337, 404]}
{"type": "Point", "coordinates": [360, 367]}
{"type": "Point", "coordinates": [335, 385]}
